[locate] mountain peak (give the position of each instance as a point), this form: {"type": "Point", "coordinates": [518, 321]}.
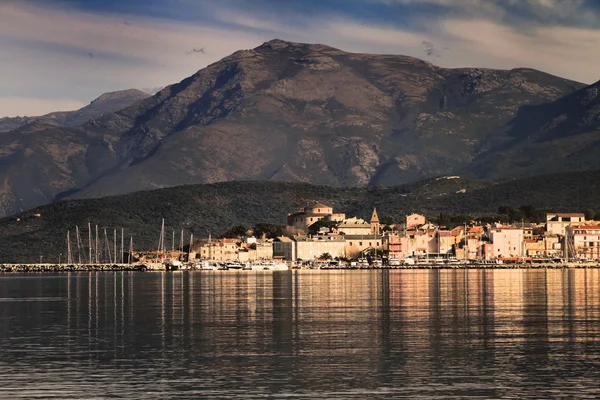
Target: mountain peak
{"type": "Point", "coordinates": [279, 44]}
{"type": "Point", "coordinates": [120, 94]}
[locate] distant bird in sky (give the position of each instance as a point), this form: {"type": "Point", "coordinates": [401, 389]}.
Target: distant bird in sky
{"type": "Point", "coordinates": [431, 50]}
{"type": "Point", "coordinates": [91, 55]}
{"type": "Point", "coordinates": [197, 51]}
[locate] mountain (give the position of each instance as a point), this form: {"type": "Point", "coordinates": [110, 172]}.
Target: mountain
{"type": "Point", "coordinates": [563, 135]}
{"type": "Point", "coordinates": [288, 112]}
{"type": "Point", "coordinates": [214, 208]}
{"type": "Point", "coordinates": [106, 103]}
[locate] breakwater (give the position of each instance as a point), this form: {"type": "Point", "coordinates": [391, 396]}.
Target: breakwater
{"type": "Point", "coordinates": [23, 268]}
{"type": "Point", "coordinates": [79, 267]}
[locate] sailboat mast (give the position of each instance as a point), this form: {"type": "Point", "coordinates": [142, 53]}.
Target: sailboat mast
{"type": "Point", "coordinates": [115, 244]}
{"type": "Point", "coordinates": [78, 244]}
{"type": "Point", "coordinates": [191, 244]}
{"type": "Point", "coordinates": [181, 242]}
{"type": "Point", "coordinates": [69, 247]}
{"type": "Point", "coordinates": [96, 245]}
{"type": "Point", "coordinates": [122, 245]}
{"type": "Point", "coordinates": [130, 249]}
{"type": "Point", "coordinates": [173, 241]}
{"type": "Point", "coordinates": [107, 247]}
{"type": "Point", "coordinates": [90, 242]}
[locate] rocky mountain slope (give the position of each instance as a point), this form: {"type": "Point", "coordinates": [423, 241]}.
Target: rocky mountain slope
{"type": "Point", "coordinates": [214, 208]}
{"type": "Point", "coordinates": [563, 135]}
{"type": "Point", "coordinates": [106, 103]}
{"type": "Point", "coordinates": [292, 112]}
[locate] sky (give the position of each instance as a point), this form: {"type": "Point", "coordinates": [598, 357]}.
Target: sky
{"type": "Point", "coordinates": [61, 54]}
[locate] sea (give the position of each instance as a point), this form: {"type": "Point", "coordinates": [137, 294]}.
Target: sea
{"type": "Point", "coordinates": [301, 334]}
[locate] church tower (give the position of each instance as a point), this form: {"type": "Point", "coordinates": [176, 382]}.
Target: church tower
{"type": "Point", "coordinates": [375, 223]}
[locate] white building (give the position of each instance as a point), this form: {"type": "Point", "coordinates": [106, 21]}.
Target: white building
{"type": "Point", "coordinates": [557, 222]}
{"type": "Point", "coordinates": [507, 241]}
{"type": "Point", "coordinates": [584, 241]}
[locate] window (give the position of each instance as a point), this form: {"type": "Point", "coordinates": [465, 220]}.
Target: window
{"type": "Point", "coordinates": [318, 210]}
{"type": "Point", "coordinates": [350, 243]}
{"type": "Point", "coordinates": [360, 243]}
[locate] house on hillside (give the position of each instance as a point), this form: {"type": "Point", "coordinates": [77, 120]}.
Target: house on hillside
{"type": "Point", "coordinates": [311, 214]}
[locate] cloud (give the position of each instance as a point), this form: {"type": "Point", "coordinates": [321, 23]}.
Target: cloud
{"type": "Point", "coordinates": [72, 55]}
{"type": "Point", "coordinates": [56, 52]}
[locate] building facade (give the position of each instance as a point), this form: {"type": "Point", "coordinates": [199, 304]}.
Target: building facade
{"type": "Point", "coordinates": [311, 214]}
{"type": "Point", "coordinates": [557, 222]}
{"type": "Point", "coordinates": [507, 242]}
{"type": "Point", "coordinates": [583, 241]}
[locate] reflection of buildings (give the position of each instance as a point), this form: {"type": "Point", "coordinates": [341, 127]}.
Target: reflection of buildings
{"type": "Point", "coordinates": [376, 324]}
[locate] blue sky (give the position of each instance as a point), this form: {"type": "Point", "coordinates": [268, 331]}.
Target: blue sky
{"type": "Point", "coordinates": [60, 54]}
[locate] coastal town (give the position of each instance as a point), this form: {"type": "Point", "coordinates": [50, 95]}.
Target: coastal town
{"type": "Point", "coordinates": [318, 235]}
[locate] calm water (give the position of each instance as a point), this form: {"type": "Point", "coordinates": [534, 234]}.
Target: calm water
{"type": "Point", "coordinates": [301, 334]}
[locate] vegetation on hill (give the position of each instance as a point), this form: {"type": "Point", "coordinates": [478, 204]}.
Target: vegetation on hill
{"type": "Point", "coordinates": [217, 208]}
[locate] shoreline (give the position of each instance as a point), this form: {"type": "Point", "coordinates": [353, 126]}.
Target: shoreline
{"type": "Point", "coordinates": [52, 268]}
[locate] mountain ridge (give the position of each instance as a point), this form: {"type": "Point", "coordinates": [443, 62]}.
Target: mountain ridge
{"type": "Point", "coordinates": [105, 103]}
{"type": "Point", "coordinates": [287, 111]}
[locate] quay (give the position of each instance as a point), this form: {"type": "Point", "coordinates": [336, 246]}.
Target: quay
{"type": "Point", "coordinates": [80, 267]}
{"type": "Point", "coordinates": [40, 268]}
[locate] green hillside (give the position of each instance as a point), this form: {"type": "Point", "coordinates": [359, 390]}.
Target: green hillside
{"type": "Point", "coordinates": [215, 208]}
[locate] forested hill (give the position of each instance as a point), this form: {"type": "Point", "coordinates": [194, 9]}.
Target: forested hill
{"type": "Point", "coordinates": [215, 208]}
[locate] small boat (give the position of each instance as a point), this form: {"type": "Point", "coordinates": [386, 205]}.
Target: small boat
{"type": "Point", "coordinates": [207, 266]}
{"type": "Point", "coordinates": [268, 266]}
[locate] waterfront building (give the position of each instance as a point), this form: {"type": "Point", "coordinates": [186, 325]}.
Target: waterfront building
{"type": "Point", "coordinates": [306, 247]}
{"type": "Point", "coordinates": [444, 242]}
{"type": "Point", "coordinates": [218, 250]}
{"type": "Point", "coordinates": [357, 245]}
{"type": "Point", "coordinates": [395, 245]}
{"type": "Point", "coordinates": [507, 241]}
{"type": "Point", "coordinates": [557, 222]}
{"type": "Point", "coordinates": [284, 248]}
{"type": "Point", "coordinates": [259, 249]}
{"type": "Point", "coordinates": [583, 241]}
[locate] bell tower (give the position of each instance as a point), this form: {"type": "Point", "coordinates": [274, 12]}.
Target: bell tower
{"type": "Point", "coordinates": [375, 226]}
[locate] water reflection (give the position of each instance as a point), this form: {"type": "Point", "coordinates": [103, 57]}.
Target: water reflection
{"type": "Point", "coordinates": [317, 334]}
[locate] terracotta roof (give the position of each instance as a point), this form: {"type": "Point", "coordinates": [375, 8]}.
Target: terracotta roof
{"type": "Point", "coordinates": [567, 214]}
{"type": "Point", "coordinates": [585, 227]}
{"type": "Point", "coordinates": [363, 237]}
